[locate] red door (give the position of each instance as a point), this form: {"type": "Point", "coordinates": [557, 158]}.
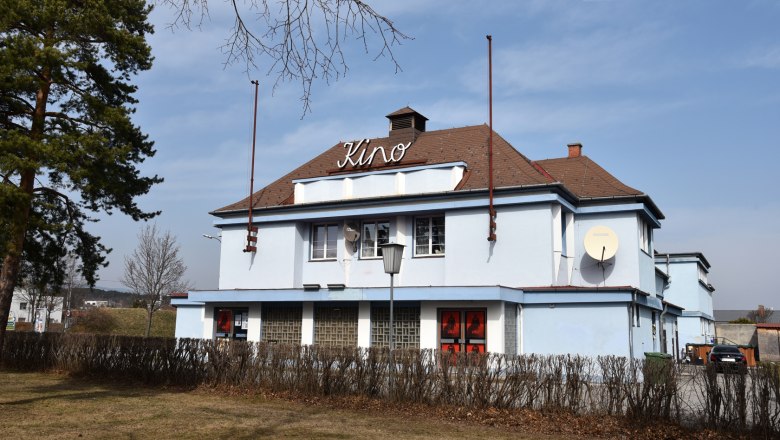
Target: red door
{"type": "Point", "coordinates": [462, 330]}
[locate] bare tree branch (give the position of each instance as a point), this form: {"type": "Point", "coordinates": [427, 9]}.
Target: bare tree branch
{"type": "Point", "coordinates": [300, 40]}
{"type": "Point", "coordinates": [155, 269]}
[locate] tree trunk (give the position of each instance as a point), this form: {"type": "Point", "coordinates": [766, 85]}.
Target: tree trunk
{"type": "Point", "coordinates": [12, 260]}
{"type": "Point", "coordinates": [150, 311]}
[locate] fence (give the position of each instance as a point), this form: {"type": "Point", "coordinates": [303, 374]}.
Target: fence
{"type": "Point", "coordinates": [653, 392]}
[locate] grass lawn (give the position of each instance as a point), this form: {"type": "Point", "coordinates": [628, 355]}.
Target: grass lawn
{"type": "Point", "coordinates": [37, 405]}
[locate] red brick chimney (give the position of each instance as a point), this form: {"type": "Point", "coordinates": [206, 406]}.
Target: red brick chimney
{"type": "Point", "coordinates": [575, 150]}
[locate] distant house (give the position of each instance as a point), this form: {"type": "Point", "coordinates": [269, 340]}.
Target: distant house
{"type": "Point", "coordinates": [23, 310]}
{"type": "Point", "coordinates": [95, 303]}
{"type": "Point", "coordinates": [687, 286]}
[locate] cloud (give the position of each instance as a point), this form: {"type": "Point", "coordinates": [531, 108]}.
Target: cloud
{"type": "Point", "coordinates": [601, 58]}
{"type": "Point", "coordinates": [766, 58]}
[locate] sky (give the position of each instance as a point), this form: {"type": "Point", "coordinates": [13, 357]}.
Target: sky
{"type": "Point", "coordinates": [680, 100]}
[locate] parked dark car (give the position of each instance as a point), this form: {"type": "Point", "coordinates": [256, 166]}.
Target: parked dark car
{"type": "Point", "coordinates": [727, 357]}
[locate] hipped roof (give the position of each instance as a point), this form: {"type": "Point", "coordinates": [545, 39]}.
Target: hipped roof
{"type": "Point", "coordinates": [581, 176]}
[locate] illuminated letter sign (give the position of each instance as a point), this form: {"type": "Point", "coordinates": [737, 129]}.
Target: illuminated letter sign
{"type": "Point", "coordinates": [356, 159]}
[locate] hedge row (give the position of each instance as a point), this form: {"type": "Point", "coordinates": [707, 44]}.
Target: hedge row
{"type": "Point", "coordinates": [649, 392]}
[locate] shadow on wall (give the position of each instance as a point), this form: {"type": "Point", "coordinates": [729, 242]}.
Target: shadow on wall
{"type": "Point", "coordinates": [595, 272]}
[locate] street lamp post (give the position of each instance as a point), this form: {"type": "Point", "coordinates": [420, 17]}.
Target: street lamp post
{"type": "Point", "coordinates": [392, 253]}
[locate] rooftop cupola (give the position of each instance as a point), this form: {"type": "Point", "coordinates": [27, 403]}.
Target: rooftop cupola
{"type": "Point", "coordinates": [406, 121]}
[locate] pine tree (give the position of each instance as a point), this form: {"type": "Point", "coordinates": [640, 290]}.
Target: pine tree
{"type": "Point", "coordinates": [68, 146]}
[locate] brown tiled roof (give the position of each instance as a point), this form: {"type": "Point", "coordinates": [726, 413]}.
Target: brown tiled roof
{"type": "Point", "coordinates": [586, 178]}
{"type": "Point", "coordinates": [466, 144]}
{"type": "Point", "coordinates": [404, 111]}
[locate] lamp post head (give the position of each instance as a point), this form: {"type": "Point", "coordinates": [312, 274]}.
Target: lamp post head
{"type": "Point", "coordinates": [392, 253]}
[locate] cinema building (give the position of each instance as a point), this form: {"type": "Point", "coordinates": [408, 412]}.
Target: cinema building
{"type": "Point", "coordinates": [317, 276]}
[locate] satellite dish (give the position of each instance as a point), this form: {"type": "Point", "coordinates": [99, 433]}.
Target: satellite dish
{"type": "Point", "coordinates": [601, 243]}
{"type": "Point", "coordinates": [351, 232]}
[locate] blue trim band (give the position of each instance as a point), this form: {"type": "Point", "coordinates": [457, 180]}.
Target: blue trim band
{"type": "Point", "coordinates": [459, 293]}
{"type": "Point", "coordinates": [376, 208]}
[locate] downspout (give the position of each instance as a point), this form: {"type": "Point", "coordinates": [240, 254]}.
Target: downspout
{"type": "Point", "coordinates": [663, 332]}
{"type": "Point", "coordinates": [631, 319]}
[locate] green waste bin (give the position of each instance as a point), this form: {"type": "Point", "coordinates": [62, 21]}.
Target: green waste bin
{"type": "Point", "coordinates": [656, 366]}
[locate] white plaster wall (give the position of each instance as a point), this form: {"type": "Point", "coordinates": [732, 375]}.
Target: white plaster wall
{"type": "Point", "coordinates": [576, 329]}
{"type": "Point", "coordinates": [644, 339]}
{"type": "Point", "coordinates": [621, 270]}
{"type": "Point", "coordinates": [429, 326]}
{"type": "Point", "coordinates": [364, 324]}
{"type": "Point", "coordinates": [319, 190]}
{"type": "Point", "coordinates": [307, 323]}
{"type": "Point", "coordinates": [522, 254]}
{"type": "Point", "coordinates": [375, 185]}
{"type": "Point", "coordinates": [189, 322]}
{"type": "Point", "coordinates": [435, 180]}
{"type": "Point", "coordinates": [255, 323]}
{"type": "Point", "coordinates": [272, 266]}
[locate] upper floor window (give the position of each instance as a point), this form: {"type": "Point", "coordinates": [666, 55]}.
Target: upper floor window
{"type": "Point", "coordinates": [645, 236]}
{"type": "Point", "coordinates": [429, 236]}
{"type": "Point", "coordinates": [702, 274]}
{"type": "Point", "coordinates": [324, 239]}
{"type": "Point", "coordinates": [22, 306]}
{"type": "Point", "coordinates": [374, 235]}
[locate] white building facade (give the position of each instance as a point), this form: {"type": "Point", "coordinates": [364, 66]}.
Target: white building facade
{"type": "Point", "coordinates": [312, 271]}
{"type": "Point", "coordinates": [689, 287]}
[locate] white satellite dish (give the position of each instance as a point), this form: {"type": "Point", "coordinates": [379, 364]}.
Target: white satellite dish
{"type": "Point", "coordinates": [351, 232]}
{"type": "Point", "coordinates": [601, 243]}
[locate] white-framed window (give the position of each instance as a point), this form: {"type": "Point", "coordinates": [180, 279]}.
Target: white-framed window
{"type": "Point", "coordinates": [22, 306]}
{"type": "Point", "coordinates": [429, 236]}
{"type": "Point", "coordinates": [324, 238]}
{"type": "Point", "coordinates": [564, 238]}
{"type": "Point", "coordinates": [645, 236]}
{"type": "Point", "coordinates": [702, 274]}
{"type": "Point", "coordinates": [372, 236]}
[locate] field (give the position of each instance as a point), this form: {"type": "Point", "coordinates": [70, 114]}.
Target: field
{"type": "Point", "coordinates": [129, 322]}
{"type": "Point", "coordinates": [42, 405]}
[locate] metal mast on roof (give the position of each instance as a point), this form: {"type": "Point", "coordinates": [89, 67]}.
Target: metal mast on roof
{"type": "Point", "coordinates": [251, 231]}
{"type": "Point", "coordinates": [491, 210]}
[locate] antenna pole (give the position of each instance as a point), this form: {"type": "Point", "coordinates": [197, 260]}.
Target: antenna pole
{"type": "Point", "coordinates": [251, 231]}
{"type": "Point", "coordinates": [491, 210]}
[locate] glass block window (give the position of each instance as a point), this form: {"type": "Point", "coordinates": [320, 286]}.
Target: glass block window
{"type": "Point", "coordinates": [429, 236]}
{"type": "Point", "coordinates": [373, 235]}
{"type": "Point", "coordinates": [323, 241]}
{"type": "Point", "coordinates": [281, 323]}
{"type": "Point", "coordinates": [406, 323]}
{"type": "Point", "coordinates": [510, 328]}
{"type": "Point", "coordinates": [336, 325]}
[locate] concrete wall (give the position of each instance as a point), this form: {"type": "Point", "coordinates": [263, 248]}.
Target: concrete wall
{"type": "Point", "coordinates": [769, 344]}
{"type": "Point", "coordinates": [739, 334]}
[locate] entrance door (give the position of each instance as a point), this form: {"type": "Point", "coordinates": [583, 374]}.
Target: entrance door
{"type": "Point", "coordinates": [462, 330]}
{"type": "Point", "coordinates": [231, 323]}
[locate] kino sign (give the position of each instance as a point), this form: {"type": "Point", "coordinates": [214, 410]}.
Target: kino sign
{"type": "Point", "coordinates": [361, 159]}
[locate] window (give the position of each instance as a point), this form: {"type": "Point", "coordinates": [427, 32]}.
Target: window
{"type": "Point", "coordinates": [373, 235]}
{"type": "Point", "coordinates": [324, 239]}
{"type": "Point", "coordinates": [645, 236]}
{"type": "Point", "coordinates": [429, 236]}
{"type": "Point", "coordinates": [564, 245]}
{"type": "Point", "coordinates": [23, 306]}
